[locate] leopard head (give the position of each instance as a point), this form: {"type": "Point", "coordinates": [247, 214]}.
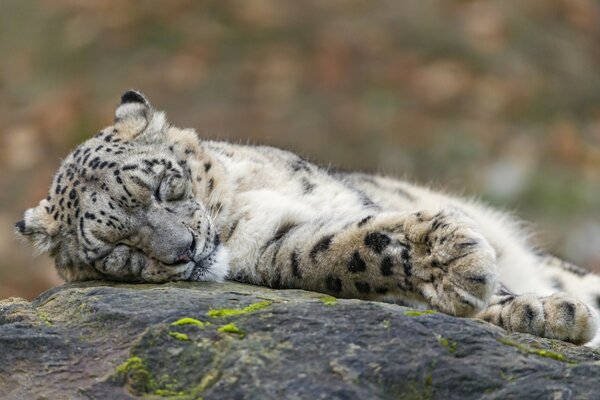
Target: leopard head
{"type": "Point", "coordinates": [124, 205]}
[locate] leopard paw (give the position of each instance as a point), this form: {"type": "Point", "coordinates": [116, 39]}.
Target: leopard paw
{"type": "Point", "coordinates": [454, 266]}
{"type": "Point", "coordinates": [558, 316]}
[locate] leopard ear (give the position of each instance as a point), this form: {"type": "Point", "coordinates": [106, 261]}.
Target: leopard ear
{"type": "Point", "coordinates": [38, 227]}
{"type": "Point", "coordinates": [135, 119]}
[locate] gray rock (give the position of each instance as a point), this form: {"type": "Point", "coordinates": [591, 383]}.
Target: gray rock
{"type": "Point", "coordinates": [99, 340]}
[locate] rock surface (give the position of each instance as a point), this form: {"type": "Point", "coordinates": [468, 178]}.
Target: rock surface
{"type": "Point", "coordinates": [230, 341]}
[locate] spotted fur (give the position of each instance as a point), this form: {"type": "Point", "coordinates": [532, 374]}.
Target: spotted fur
{"type": "Point", "coordinates": [143, 201]}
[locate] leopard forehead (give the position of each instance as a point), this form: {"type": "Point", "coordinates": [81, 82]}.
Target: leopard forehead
{"type": "Point", "coordinates": [107, 175]}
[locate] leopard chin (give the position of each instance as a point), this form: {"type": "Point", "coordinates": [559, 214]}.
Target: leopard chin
{"type": "Point", "coordinates": [213, 268]}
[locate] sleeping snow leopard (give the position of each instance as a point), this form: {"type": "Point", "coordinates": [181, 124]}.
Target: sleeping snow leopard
{"type": "Point", "coordinates": [144, 201]}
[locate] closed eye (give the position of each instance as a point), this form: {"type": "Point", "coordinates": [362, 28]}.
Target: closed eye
{"type": "Point", "coordinates": [157, 193]}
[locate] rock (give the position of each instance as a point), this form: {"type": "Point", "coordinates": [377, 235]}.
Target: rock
{"type": "Point", "coordinates": [99, 340]}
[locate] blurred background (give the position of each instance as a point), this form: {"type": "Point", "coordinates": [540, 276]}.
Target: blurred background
{"type": "Point", "coordinates": [495, 99]}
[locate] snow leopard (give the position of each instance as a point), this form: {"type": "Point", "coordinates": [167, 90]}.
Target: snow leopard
{"type": "Point", "coordinates": [145, 201]}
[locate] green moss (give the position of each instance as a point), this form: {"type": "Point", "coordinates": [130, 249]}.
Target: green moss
{"type": "Point", "coordinates": [227, 312]}
{"type": "Point", "coordinates": [231, 328]}
{"type": "Point", "coordinates": [135, 372]}
{"type": "Point", "coordinates": [328, 300]}
{"type": "Point", "coordinates": [448, 344]}
{"type": "Point", "coordinates": [179, 336]}
{"type": "Point", "coordinates": [190, 321]}
{"type": "Point", "coordinates": [506, 377]}
{"type": "Point", "coordinates": [168, 393]}
{"type": "Point", "coordinates": [207, 381]}
{"type": "Point", "coordinates": [531, 350]}
{"type": "Point", "coordinates": [386, 323]}
{"type": "Point", "coordinates": [417, 313]}
{"type": "Point", "coordinates": [130, 364]}
{"type": "Point", "coordinates": [44, 317]}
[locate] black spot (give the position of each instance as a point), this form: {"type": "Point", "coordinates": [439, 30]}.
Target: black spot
{"type": "Point", "coordinates": [467, 244]}
{"type": "Point", "coordinates": [138, 181]}
{"type": "Point", "coordinates": [386, 266]}
{"type": "Point", "coordinates": [557, 284]}
{"type": "Point", "coordinates": [129, 167]}
{"type": "Point", "coordinates": [501, 321]}
{"type": "Point", "coordinates": [405, 193]}
{"type": "Point", "coordinates": [300, 165]}
{"type": "Point", "coordinates": [321, 245]}
{"type": "Point", "coordinates": [275, 282]}
{"type": "Point", "coordinates": [569, 312]}
{"type": "Point", "coordinates": [437, 222]}
{"type": "Point", "coordinates": [506, 299]}
{"type": "Point", "coordinates": [406, 264]}
{"type": "Point", "coordinates": [127, 191]}
{"type": "Point", "coordinates": [362, 287]}
{"type": "Point", "coordinates": [233, 228]}
{"type": "Point", "coordinates": [366, 200]}
{"type": "Point", "coordinates": [307, 186]}
{"type": "Point", "coordinates": [381, 290]}
{"type": "Point", "coordinates": [72, 194]}
{"type": "Point", "coordinates": [89, 215]}
{"type": "Point", "coordinates": [363, 221]}
{"type": "Point", "coordinates": [207, 166]}
{"type": "Point", "coordinates": [211, 185]}
{"type": "Point", "coordinates": [482, 280]}
{"type": "Point", "coordinates": [377, 241]}
{"type": "Point", "coordinates": [529, 314]}
{"type": "Point", "coordinates": [296, 265]}
{"type": "Point", "coordinates": [356, 263]}
{"type": "Point", "coordinates": [20, 226]}
{"type": "Point", "coordinates": [333, 284]}
{"type": "Point", "coordinates": [282, 232]}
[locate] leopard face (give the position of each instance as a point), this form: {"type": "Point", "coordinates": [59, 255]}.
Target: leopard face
{"type": "Point", "coordinates": [123, 206]}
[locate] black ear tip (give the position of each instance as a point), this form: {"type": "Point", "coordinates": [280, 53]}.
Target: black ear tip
{"type": "Point", "coordinates": [133, 96]}
{"type": "Point", "coordinates": [20, 226]}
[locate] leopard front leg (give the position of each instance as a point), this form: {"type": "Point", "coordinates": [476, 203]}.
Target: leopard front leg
{"type": "Point", "coordinates": [439, 259]}
{"type": "Point", "coordinates": [559, 316]}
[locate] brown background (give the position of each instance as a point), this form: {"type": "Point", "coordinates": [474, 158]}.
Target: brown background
{"type": "Point", "coordinates": [499, 99]}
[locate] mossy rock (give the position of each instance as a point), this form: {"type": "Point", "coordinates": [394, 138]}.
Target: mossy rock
{"type": "Point", "coordinates": [99, 340]}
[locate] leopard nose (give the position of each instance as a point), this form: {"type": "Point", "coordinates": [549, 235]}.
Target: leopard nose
{"type": "Point", "coordinates": [187, 255]}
